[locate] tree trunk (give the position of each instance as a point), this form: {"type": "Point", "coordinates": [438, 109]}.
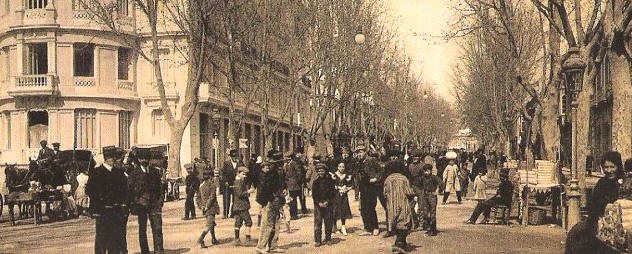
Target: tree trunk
{"type": "Point", "coordinates": [175, 142]}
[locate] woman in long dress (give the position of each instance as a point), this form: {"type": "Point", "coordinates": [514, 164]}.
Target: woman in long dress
{"type": "Point", "coordinates": [451, 178]}
{"type": "Point", "coordinates": [342, 211]}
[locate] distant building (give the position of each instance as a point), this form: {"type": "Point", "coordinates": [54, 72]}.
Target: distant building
{"type": "Point", "coordinates": [464, 140]}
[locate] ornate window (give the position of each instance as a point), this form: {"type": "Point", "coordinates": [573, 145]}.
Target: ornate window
{"type": "Point", "coordinates": [83, 56]}
{"type": "Point", "coordinates": [37, 58]}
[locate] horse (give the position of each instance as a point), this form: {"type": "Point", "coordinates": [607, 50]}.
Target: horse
{"type": "Point", "coordinates": [17, 180]}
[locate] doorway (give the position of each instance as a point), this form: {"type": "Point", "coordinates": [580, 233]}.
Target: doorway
{"type": "Point", "coordinates": [37, 127]}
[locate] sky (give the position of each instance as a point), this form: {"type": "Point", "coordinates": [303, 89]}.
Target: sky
{"type": "Point", "coordinates": [421, 24]}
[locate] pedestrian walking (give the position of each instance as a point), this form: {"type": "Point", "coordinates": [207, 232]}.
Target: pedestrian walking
{"type": "Point", "coordinates": [227, 179]}
{"type": "Point", "coordinates": [270, 197]}
{"type": "Point", "coordinates": [399, 193]}
{"type": "Point", "coordinates": [146, 187]}
{"type": "Point", "coordinates": [323, 193]}
{"type": "Point", "coordinates": [442, 163]}
{"type": "Point", "coordinates": [341, 209]}
{"type": "Point", "coordinates": [394, 164]}
{"type": "Point", "coordinates": [451, 178]}
{"type": "Point", "coordinates": [207, 201]}
{"type": "Point", "coordinates": [415, 169]}
{"type": "Point", "coordinates": [108, 190]}
{"type": "Point", "coordinates": [192, 187]}
{"type": "Point", "coordinates": [241, 205]}
{"type": "Point", "coordinates": [369, 171]}
{"type": "Point", "coordinates": [428, 200]}
{"type": "Point", "coordinates": [480, 163]}
{"type": "Point", "coordinates": [294, 182]}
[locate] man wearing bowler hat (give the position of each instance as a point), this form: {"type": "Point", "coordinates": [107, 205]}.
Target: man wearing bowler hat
{"type": "Point", "coordinates": [109, 196]}
{"type": "Point", "coordinates": [227, 179]}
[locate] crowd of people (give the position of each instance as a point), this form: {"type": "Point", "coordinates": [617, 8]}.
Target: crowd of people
{"type": "Point", "coordinates": [406, 182]}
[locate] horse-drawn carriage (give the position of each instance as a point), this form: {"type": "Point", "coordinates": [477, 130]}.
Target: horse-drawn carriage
{"type": "Point", "coordinates": [50, 181]}
{"type": "Point", "coordinates": [157, 154]}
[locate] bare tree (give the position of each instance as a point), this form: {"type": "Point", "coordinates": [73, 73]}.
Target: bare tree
{"type": "Point", "coordinates": [191, 23]}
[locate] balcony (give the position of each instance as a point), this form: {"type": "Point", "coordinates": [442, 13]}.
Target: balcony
{"type": "Point", "coordinates": [34, 85]}
{"type": "Point", "coordinates": [37, 13]}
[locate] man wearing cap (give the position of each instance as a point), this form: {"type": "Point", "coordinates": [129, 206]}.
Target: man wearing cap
{"type": "Point", "coordinates": [146, 187]}
{"type": "Point", "coordinates": [207, 201]}
{"type": "Point", "coordinates": [193, 186]}
{"type": "Point", "coordinates": [241, 204]}
{"type": "Point", "coordinates": [108, 190]}
{"type": "Point", "coordinates": [415, 169]}
{"type": "Point", "coordinates": [270, 197]}
{"type": "Point", "coordinates": [323, 193]}
{"type": "Point", "coordinates": [369, 171]}
{"type": "Point", "coordinates": [227, 179]}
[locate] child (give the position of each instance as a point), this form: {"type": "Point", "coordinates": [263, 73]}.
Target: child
{"type": "Point", "coordinates": [323, 192]}
{"type": "Point", "coordinates": [241, 204]}
{"type": "Point", "coordinates": [341, 208]}
{"type": "Point", "coordinates": [480, 184]}
{"type": "Point", "coordinates": [428, 203]}
{"type": "Point", "coordinates": [207, 200]}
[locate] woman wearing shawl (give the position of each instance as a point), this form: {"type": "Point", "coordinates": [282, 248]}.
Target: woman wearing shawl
{"type": "Point", "coordinates": [399, 193]}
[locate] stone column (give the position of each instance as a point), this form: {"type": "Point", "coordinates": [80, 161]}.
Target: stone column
{"type": "Point", "coordinates": [52, 55]}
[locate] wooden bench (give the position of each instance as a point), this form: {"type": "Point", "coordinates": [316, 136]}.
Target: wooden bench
{"type": "Point", "coordinates": [501, 214]}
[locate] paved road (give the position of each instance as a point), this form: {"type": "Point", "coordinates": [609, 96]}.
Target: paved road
{"type": "Point", "coordinates": [77, 236]}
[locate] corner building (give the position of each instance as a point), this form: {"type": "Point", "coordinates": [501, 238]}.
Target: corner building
{"type": "Point", "coordinates": [64, 78]}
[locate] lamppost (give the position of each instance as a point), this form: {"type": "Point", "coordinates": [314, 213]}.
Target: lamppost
{"type": "Point", "coordinates": [359, 37]}
{"type": "Point", "coordinates": [573, 69]}
{"type": "Point", "coordinates": [216, 125]}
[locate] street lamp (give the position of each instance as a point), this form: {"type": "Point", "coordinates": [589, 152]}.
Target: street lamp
{"type": "Point", "coordinates": [573, 69]}
{"type": "Point", "coordinates": [359, 37]}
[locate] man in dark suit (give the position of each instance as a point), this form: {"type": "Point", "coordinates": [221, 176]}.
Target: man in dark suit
{"type": "Point", "coordinates": [45, 152]}
{"type": "Point", "coordinates": [227, 179]}
{"type": "Point", "coordinates": [294, 181]}
{"type": "Point", "coordinates": [480, 164]}
{"type": "Point", "coordinates": [192, 186]}
{"type": "Point", "coordinates": [147, 200]}
{"type": "Point", "coordinates": [504, 196]}
{"type": "Point", "coordinates": [109, 195]}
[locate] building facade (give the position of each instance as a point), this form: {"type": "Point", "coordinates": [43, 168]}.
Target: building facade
{"type": "Point", "coordinates": [64, 78]}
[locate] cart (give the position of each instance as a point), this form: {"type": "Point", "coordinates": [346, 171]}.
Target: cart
{"type": "Point", "coordinates": [158, 155]}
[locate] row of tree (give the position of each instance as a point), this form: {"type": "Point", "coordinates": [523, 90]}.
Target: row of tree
{"type": "Point", "coordinates": [511, 68]}
{"type": "Point", "coordinates": [240, 47]}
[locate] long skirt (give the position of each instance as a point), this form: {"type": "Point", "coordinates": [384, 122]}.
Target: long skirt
{"type": "Point", "coordinates": [341, 207]}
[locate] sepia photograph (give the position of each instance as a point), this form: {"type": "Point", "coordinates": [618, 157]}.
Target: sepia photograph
{"type": "Point", "coordinates": [315, 126]}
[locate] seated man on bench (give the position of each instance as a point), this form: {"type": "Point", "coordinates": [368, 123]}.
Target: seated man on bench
{"type": "Point", "coordinates": [503, 197]}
